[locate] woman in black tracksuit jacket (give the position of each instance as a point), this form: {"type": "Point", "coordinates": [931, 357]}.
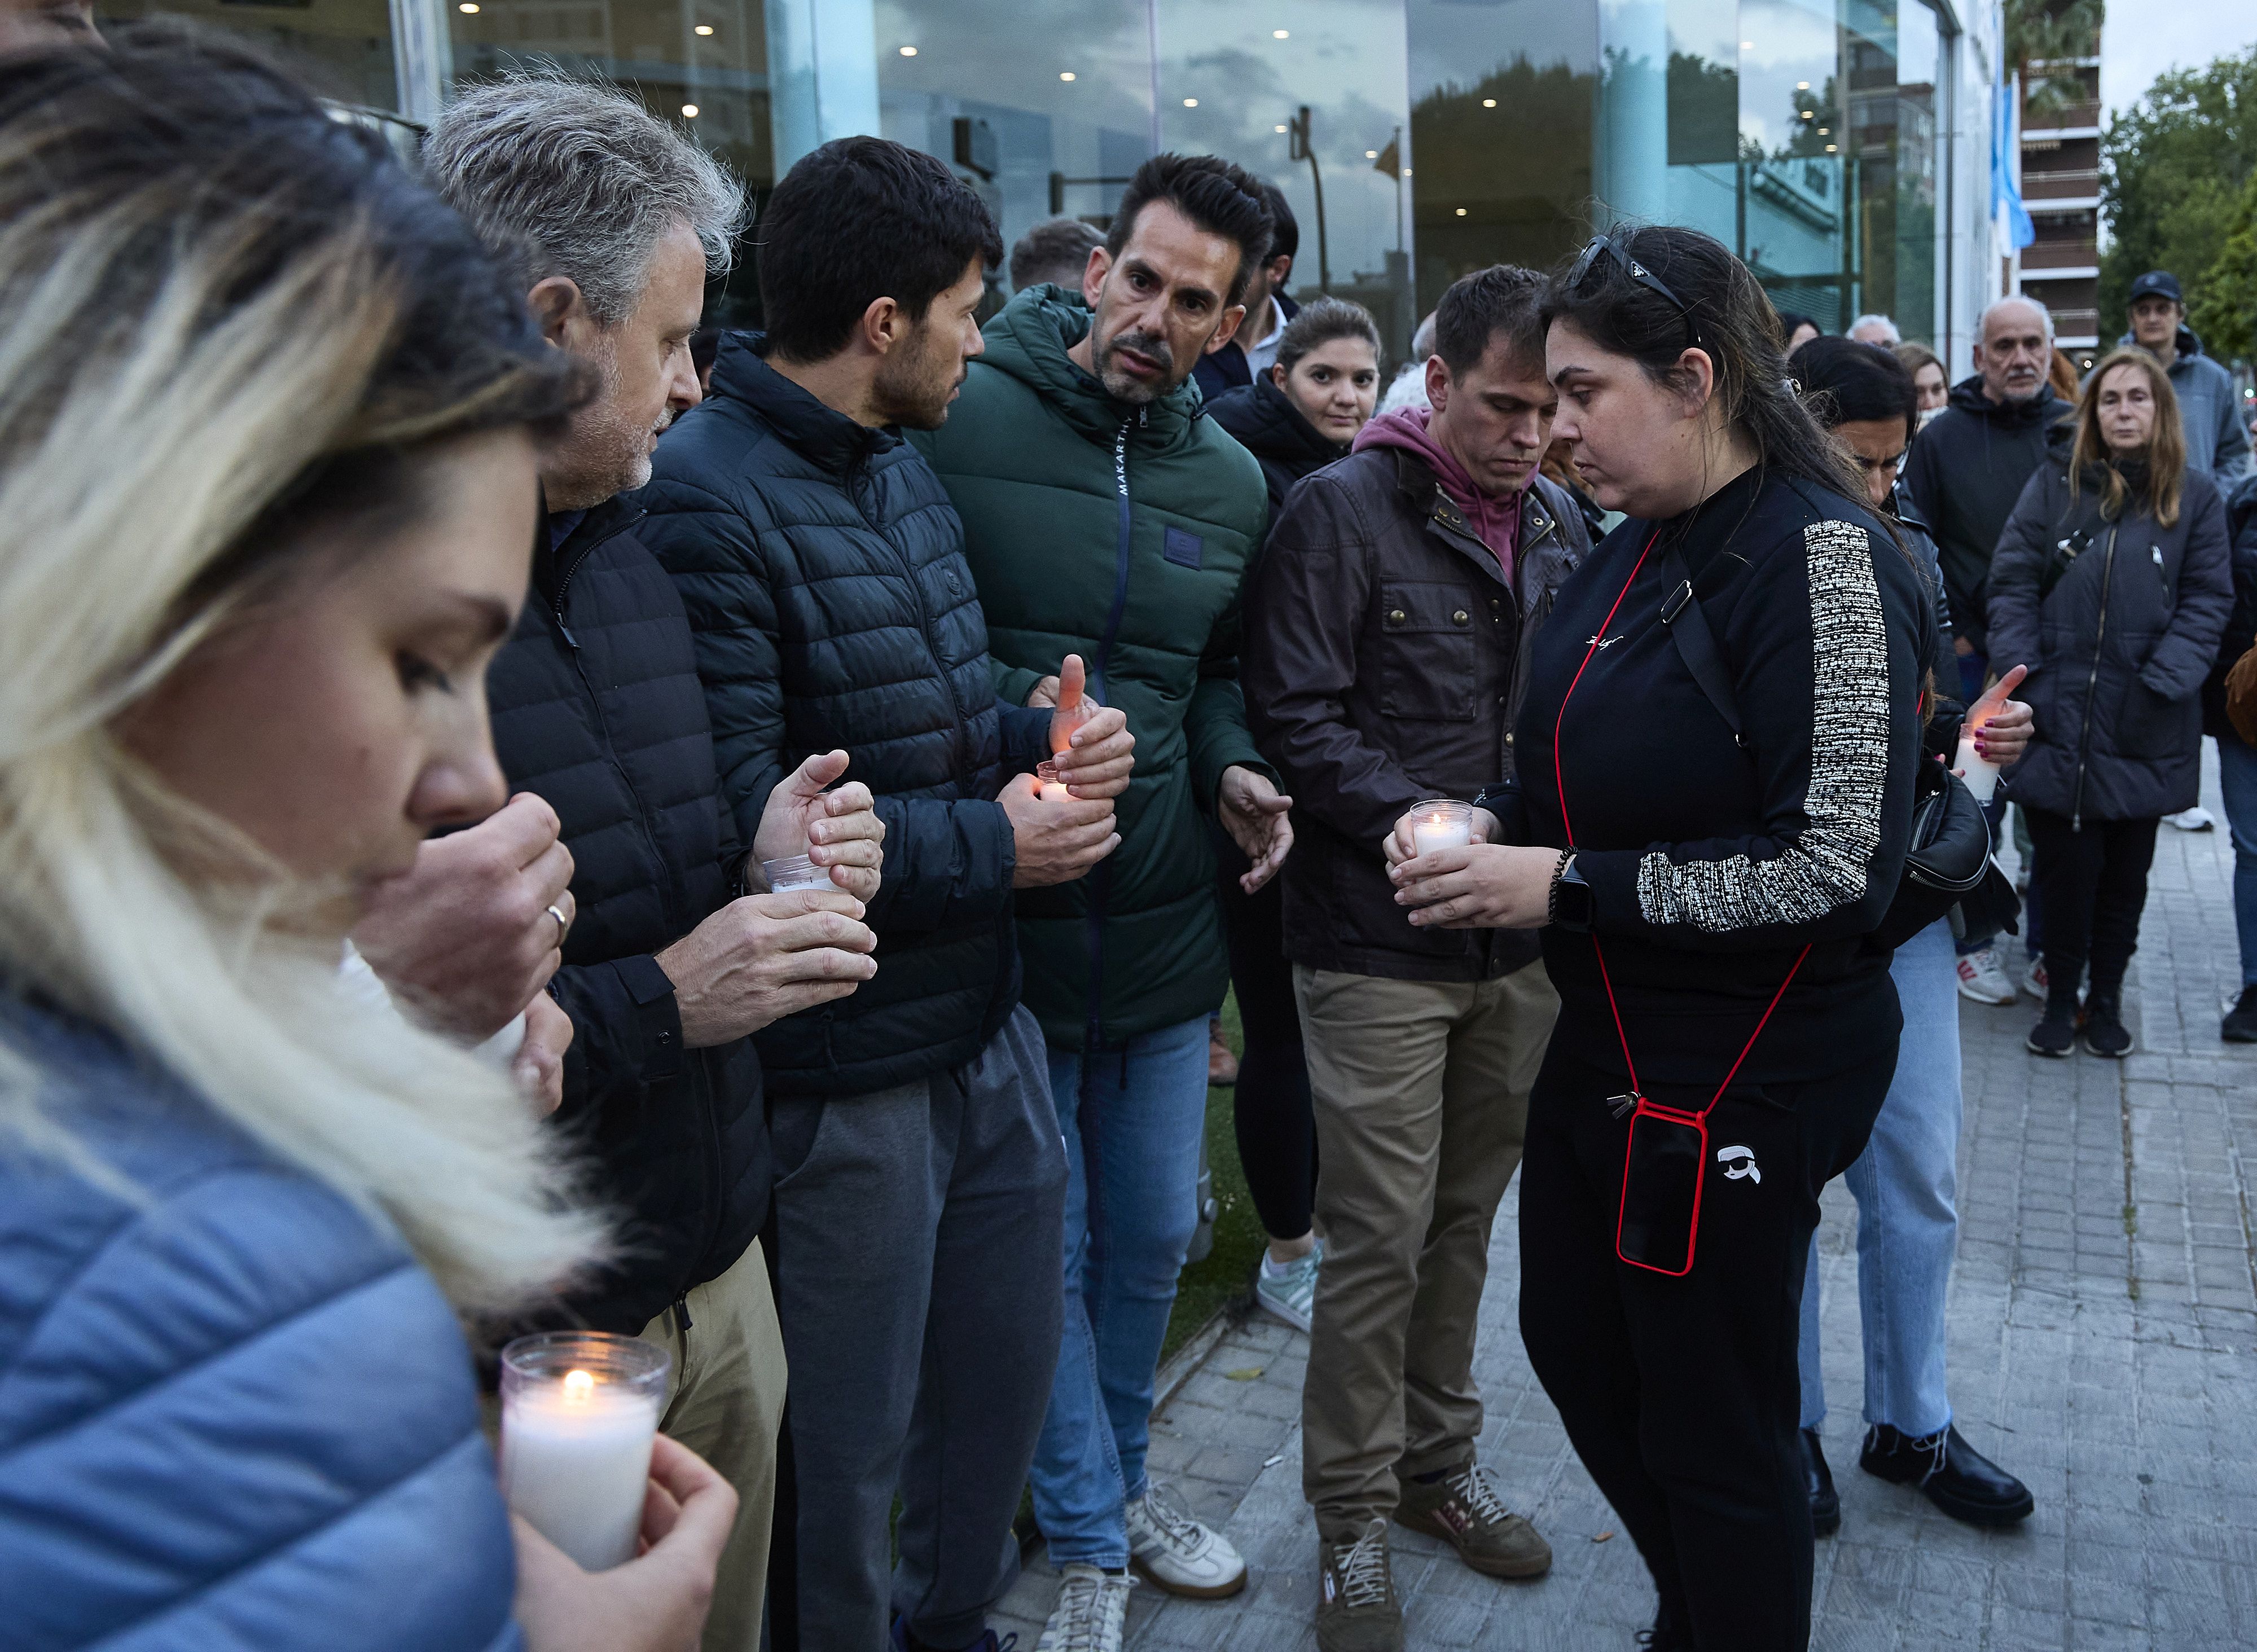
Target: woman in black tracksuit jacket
{"type": "Point", "coordinates": [1710, 904]}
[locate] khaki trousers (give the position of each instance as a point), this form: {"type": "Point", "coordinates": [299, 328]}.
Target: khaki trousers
{"type": "Point", "coordinates": [1421, 1091]}
{"type": "Point", "coordinates": [723, 1400]}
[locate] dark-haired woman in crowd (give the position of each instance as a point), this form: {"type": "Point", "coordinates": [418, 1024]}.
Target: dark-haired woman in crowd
{"type": "Point", "coordinates": [2112, 582]}
{"type": "Point", "coordinates": [1295, 420]}
{"type": "Point", "coordinates": [1716, 760]}
{"type": "Point", "coordinates": [1904, 1180]}
{"type": "Point", "coordinates": [1931, 384]}
{"type": "Point", "coordinates": [267, 457]}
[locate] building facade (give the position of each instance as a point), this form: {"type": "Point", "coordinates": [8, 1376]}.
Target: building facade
{"type": "Point", "coordinates": [1839, 145]}
{"type": "Point", "coordinates": [2061, 187]}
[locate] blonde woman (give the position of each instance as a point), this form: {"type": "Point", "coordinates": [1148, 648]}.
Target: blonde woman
{"type": "Point", "coordinates": [267, 428]}
{"type": "Point", "coordinates": [2112, 584]}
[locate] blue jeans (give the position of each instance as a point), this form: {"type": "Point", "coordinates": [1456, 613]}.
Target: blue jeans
{"type": "Point", "coordinates": [1907, 1229]}
{"type": "Point", "coordinates": [1133, 1120]}
{"type": "Point", "coordinates": [2237, 776]}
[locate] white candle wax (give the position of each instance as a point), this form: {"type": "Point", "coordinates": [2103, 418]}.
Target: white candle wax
{"type": "Point", "coordinates": [575, 1457]}
{"type": "Point", "coordinates": [1054, 792]}
{"type": "Point", "coordinates": [1980, 773]}
{"type": "Point", "coordinates": [1439, 831]}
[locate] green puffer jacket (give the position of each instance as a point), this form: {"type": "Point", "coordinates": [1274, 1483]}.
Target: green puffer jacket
{"type": "Point", "coordinates": [1120, 534]}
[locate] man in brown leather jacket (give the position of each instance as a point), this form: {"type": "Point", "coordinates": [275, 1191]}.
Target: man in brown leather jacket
{"type": "Point", "coordinates": [1386, 628]}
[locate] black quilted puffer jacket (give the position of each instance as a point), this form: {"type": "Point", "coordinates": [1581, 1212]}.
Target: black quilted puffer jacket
{"type": "Point", "coordinates": [597, 707]}
{"type": "Point", "coordinates": [822, 568]}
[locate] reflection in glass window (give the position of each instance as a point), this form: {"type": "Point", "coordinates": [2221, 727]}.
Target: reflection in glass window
{"type": "Point", "coordinates": [347, 44]}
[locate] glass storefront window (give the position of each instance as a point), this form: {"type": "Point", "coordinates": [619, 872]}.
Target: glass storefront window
{"type": "Point", "coordinates": [347, 43]}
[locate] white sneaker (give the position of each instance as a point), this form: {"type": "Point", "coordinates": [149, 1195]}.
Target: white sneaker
{"type": "Point", "coordinates": [2191, 820]}
{"type": "Point", "coordinates": [1290, 1291]}
{"type": "Point", "coordinates": [1984, 979]}
{"type": "Point", "coordinates": [1092, 1606]}
{"type": "Point", "coordinates": [2033, 980]}
{"type": "Point", "coordinates": [1178, 1553]}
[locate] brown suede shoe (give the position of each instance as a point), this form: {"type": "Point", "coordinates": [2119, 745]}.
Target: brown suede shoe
{"type": "Point", "coordinates": [1463, 1510]}
{"type": "Point", "coordinates": [1356, 1607]}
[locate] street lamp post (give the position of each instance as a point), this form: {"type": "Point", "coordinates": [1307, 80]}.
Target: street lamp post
{"type": "Point", "coordinates": [1299, 148]}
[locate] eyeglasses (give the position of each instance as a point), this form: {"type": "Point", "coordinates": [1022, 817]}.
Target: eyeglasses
{"type": "Point", "coordinates": [1637, 272]}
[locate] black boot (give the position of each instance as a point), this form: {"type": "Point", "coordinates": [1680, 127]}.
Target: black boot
{"type": "Point", "coordinates": [2055, 1032]}
{"type": "Point", "coordinates": [1818, 1481]}
{"type": "Point", "coordinates": [2102, 1026]}
{"type": "Point", "coordinates": [2239, 1026]}
{"type": "Point", "coordinates": [1952, 1474]}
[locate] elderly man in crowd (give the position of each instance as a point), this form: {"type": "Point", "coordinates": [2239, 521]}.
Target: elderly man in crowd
{"type": "Point", "coordinates": [614, 221]}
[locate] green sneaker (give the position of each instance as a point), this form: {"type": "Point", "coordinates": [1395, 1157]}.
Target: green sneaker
{"type": "Point", "coordinates": [1356, 1607]}
{"type": "Point", "coordinates": [1463, 1510]}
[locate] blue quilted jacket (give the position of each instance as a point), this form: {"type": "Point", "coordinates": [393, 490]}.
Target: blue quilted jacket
{"type": "Point", "coordinates": [233, 1414]}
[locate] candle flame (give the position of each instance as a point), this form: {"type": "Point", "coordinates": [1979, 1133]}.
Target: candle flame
{"type": "Point", "coordinates": [579, 1387]}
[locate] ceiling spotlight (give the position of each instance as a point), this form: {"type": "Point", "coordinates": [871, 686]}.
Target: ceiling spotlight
{"type": "Point", "coordinates": [1747, 46]}
{"type": "Point", "coordinates": [468, 7]}
{"type": "Point", "coordinates": [1371, 154]}
{"type": "Point", "coordinates": [1802, 86]}
{"type": "Point", "coordinates": [1066, 74]}
{"type": "Point", "coordinates": [1406, 171]}
{"type": "Point", "coordinates": [909, 51]}
{"type": "Point", "coordinates": [1281, 34]}
{"type": "Point", "coordinates": [703, 28]}
{"type": "Point", "coordinates": [1826, 132]}
{"type": "Point", "coordinates": [1488, 102]}
{"type": "Point", "coordinates": [1829, 149]}
{"type": "Point", "coordinates": [1191, 103]}
{"type": "Point", "coordinates": [1276, 128]}
{"type": "Point", "coordinates": [690, 111]}
{"type": "Point", "coordinates": [1461, 212]}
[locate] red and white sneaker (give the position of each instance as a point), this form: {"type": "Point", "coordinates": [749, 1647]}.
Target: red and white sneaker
{"type": "Point", "coordinates": [1982, 978]}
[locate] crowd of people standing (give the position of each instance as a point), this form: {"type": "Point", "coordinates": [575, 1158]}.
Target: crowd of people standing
{"type": "Point", "coordinates": [422, 666]}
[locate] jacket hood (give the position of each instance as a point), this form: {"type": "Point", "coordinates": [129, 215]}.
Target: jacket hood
{"type": "Point", "coordinates": [1495, 522]}
{"type": "Point", "coordinates": [2042, 408]}
{"type": "Point", "coordinates": [1267, 425]}
{"type": "Point", "coordinates": [2188, 343]}
{"type": "Point", "coordinates": [1028, 340]}
{"type": "Point", "coordinates": [825, 437]}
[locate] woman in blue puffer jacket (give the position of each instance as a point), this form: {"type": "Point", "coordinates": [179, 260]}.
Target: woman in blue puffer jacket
{"type": "Point", "coordinates": [267, 425]}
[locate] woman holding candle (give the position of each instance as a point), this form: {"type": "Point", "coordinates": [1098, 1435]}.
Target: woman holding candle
{"type": "Point", "coordinates": [2113, 582]}
{"type": "Point", "coordinates": [267, 442]}
{"type": "Point", "coordinates": [1709, 897]}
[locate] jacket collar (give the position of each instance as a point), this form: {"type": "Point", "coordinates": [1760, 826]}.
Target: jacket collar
{"type": "Point", "coordinates": [1028, 340]}
{"type": "Point", "coordinates": [1272, 428]}
{"type": "Point", "coordinates": [553, 564]}
{"type": "Point", "coordinates": [1423, 492]}
{"type": "Point", "coordinates": [825, 437]}
{"type": "Point", "coordinates": [1968, 397]}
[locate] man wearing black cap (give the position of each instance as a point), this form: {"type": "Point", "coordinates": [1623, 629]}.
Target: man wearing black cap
{"type": "Point", "coordinates": [2214, 441]}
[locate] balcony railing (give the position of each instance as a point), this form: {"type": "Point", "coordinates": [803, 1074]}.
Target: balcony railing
{"type": "Point", "coordinates": [2059, 185]}
{"type": "Point", "coordinates": [2061, 255]}
{"type": "Point", "coordinates": [2067, 115]}
{"type": "Point", "coordinates": [2076, 324]}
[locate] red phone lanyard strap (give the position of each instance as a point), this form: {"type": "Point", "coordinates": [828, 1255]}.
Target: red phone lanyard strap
{"type": "Point", "coordinates": [1558, 782]}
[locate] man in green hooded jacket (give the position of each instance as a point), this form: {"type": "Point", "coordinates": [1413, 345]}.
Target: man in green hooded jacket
{"type": "Point", "coordinates": [1105, 515]}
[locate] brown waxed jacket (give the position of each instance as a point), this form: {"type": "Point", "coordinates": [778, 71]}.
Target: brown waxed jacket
{"type": "Point", "coordinates": [1383, 662]}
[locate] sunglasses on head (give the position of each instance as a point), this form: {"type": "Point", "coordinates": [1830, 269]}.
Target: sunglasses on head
{"type": "Point", "coordinates": [1608, 245]}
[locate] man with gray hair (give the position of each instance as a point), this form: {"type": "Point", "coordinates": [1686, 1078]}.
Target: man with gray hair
{"type": "Point", "coordinates": [1055, 251]}
{"type": "Point", "coordinates": [1876, 330]}
{"type": "Point", "coordinates": [673, 947]}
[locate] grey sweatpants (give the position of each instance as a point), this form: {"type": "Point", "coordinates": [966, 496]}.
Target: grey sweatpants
{"type": "Point", "coordinates": [918, 1231]}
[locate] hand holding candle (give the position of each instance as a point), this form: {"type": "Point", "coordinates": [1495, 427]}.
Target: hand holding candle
{"type": "Point", "coordinates": [1074, 707]}
{"type": "Point", "coordinates": [579, 1410]}
{"type": "Point", "coordinates": [1993, 737]}
{"type": "Point", "coordinates": [1094, 751]}
{"type": "Point", "coordinates": [1440, 822]}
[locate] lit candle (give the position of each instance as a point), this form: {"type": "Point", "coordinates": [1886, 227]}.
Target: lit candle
{"type": "Point", "coordinates": [1053, 788]}
{"type": "Point", "coordinates": [1980, 773]}
{"type": "Point", "coordinates": [1441, 822]}
{"type": "Point", "coordinates": [795, 872]}
{"type": "Point", "coordinates": [579, 1410]}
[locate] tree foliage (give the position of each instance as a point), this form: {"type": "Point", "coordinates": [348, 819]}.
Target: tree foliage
{"type": "Point", "coordinates": [2174, 169]}
{"type": "Point", "coordinates": [2224, 307]}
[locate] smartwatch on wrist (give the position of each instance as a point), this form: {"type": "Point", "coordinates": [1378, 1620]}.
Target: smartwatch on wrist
{"type": "Point", "coordinates": [1571, 898]}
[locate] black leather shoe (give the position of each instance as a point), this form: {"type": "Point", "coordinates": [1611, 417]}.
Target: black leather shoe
{"type": "Point", "coordinates": [1818, 1480]}
{"type": "Point", "coordinates": [2239, 1026]}
{"type": "Point", "coordinates": [1953, 1475]}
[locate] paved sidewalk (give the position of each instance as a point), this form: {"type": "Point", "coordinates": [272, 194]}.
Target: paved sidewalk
{"type": "Point", "coordinates": [2104, 1347]}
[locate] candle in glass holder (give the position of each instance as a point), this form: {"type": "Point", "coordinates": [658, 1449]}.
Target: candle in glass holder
{"type": "Point", "coordinates": [795, 872]}
{"type": "Point", "coordinates": [1441, 822]}
{"type": "Point", "coordinates": [1046, 776]}
{"type": "Point", "coordinates": [579, 1409]}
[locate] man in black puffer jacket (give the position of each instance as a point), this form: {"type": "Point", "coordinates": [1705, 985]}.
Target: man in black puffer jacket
{"type": "Point", "coordinates": [596, 709]}
{"type": "Point", "coordinates": [919, 1177]}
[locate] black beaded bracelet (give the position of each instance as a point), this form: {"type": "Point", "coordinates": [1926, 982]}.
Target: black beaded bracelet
{"type": "Point", "coordinates": [1551, 898]}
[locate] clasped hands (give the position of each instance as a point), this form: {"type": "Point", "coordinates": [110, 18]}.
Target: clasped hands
{"type": "Point", "coordinates": [1479, 885]}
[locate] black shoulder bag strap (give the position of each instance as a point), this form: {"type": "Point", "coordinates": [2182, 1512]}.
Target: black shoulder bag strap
{"type": "Point", "coordinates": [1696, 645]}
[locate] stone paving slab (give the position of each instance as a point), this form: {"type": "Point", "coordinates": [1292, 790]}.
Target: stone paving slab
{"type": "Point", "coordinates": [2103, 1345]}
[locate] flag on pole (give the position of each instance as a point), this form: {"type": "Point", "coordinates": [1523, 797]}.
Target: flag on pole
{"type": "Point", "coordinates": [1390, 159]}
